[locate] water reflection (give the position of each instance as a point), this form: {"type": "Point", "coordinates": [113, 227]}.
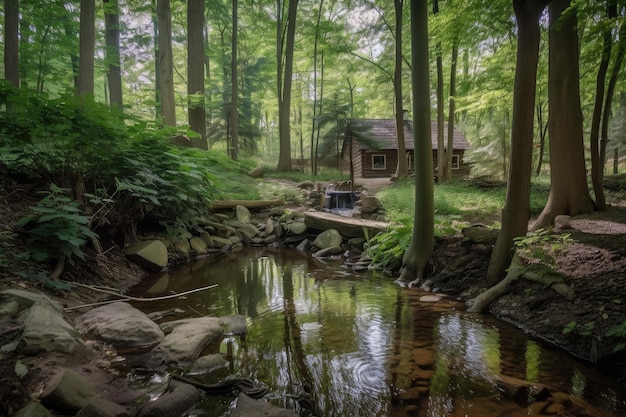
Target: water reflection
{"type": "Point", "coordinates": [328, 343]}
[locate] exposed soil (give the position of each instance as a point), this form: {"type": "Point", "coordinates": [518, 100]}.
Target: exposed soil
{"type": "Point", "coordinates": [593, 265]}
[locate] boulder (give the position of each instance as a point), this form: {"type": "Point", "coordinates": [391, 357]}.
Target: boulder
{"type": "Point", "coordinates": [198, 245]}
{"type": "Point", "coordinates": [333, 250]}
{"type": "Point", "coordinates": [45, 330]}
{"type": "Point", "coordinates": [480, 234]}
{"type": "Point", "coordinates": [248, 230]}
{"type": "Point", "coordinates": [370, 203]}
{"type": "Point", "coordinates": [149, 254]}
{"type": "Point", "coordinates": [178, 398]}
{"type": "Point", "coordinates": [25, 299]}
{"type": "Point", "coordinates": [269, 226]}
{"type": "Point", "coordinates": [235, 324]}
{"type": "Point", "coordinates": [101, 407]}
{"type": "Point", "coordinates": [204, 235]}
{"type": "Point", "coordinates": [249, 407]}
{"type": "Point", "coordinates": [187, 338]}
{"type": "Point", "coordinates": [562, 222]}
{"type": "Point", "coordinates": [328, 239]}
{"type": "Point", "coordinates": [208, 364]}
{"type": "Point", "coordinates": [33, 409]}
{"type": "Point", "coordinates": [120, 325]}
{"type": "Point", "coordinates": [243, 214]}
{"type": "Point", "coordinates": [256, 172]}
{"type": "Point", "coordinates": [182, 247]}
{"type": "Point", "coordinates": [298, 228]}
{"type": "Point", "coordinates": [221, 242]}
{"type": "Point", "coordinates": [68, 391]}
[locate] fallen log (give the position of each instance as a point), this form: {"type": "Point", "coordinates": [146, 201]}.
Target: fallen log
{"type": "Point", "coordinates": [346, 226]}
{"type": "Point", "coordinates": [249, 204]}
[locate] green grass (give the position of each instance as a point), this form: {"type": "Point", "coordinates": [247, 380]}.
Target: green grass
{"type": "Point", "coordinates": [461, 200]}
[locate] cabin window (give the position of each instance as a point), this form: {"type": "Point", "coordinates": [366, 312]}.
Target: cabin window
{"type": "Point", "coordinates": [455, 162]}
{"type": "Point", "coordinates": [379, 162]}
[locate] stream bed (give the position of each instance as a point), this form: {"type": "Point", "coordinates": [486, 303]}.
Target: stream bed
{"type": "Point", "coordinates": [329, 342]}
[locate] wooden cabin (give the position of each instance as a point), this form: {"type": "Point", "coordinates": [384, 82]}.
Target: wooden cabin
{"type": "Point", "coordinates": [370, 147]}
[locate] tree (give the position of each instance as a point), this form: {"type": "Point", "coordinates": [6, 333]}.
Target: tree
{"type": "Point", "coordinates": [420, 249]}
{"type": "Point", "coordinates": [315, 104]}
{"type": "Point", "coordinates": [284, 74]}
{"type": "Point", "coordinates": [11, 41]}
{"type": "Point", "coordinates": [516, 211]}
{"type": "Point", "coordinates": [87, 47]}
{"type": "Point", "coordinates": [114, 71]}
{"type": "Point", "coordinates": [451, 109]}
{"type": "Point", "coordinates": [402, 169]}
{"type": "Point", "coordinates": [568, 189]}
{"type": "Point", "coordinates": [166, 62]}
{"type": "Point", "coordinates": [195, 71]}
{"type": "Point", "coordinates": [234, 88]}
{"type": "Point", "coordinates": [441, 155]}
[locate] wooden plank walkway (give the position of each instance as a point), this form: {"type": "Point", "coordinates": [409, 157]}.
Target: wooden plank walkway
{"type": "Point", "coordinates": [347, 226]}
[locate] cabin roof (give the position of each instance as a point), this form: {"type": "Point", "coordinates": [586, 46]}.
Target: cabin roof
{"type": "Point", "coordinates": [383, 132]}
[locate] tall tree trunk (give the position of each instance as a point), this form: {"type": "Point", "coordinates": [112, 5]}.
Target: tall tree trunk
{"type": "Point", "coordinates": [114, 70]}
{"type": "Point", "coordinates": [319, 126]}
{"type": "Point", "coordinates": [543, 128]}
{"type": "Point", "coordinates": [568, 190]}
{"type": "Point", "coordinates": [166, 63]}
{"type": "Point", "coordinates": [195, 71]}
{"type": "Point", "coordinates": [441, 146]}
{"type": "Point", "coordinates": [234, 132]}
{"type": "Point", "coordinates": [315, 112]}
{"type": "Point", "coordinates": [610, 91]}
{"type": "Point", "coordinates": [451, 109]}
{"type": "Point", "coordinates": [516, 211]}
{"type": "Point", "coordinates": [11, 41]}
{"type": "Point", "coordinates": [597, 165]}
{"type": "Point", "coordinates": [402, 169]}
{"type": "Point", "coordinates": [87, 47]}
{"type": "Point", "coordinates": [157, 66]}
{"type": "Point", "coordinates": [420, 249]}
{"type": "Point", "coordinates": [284, 104]}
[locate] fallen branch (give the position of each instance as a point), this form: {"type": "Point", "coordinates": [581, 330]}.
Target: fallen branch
{"type": "Point", "coordinates": [130, 298]}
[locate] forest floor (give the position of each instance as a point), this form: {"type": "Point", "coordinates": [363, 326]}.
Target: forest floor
{"type": "Point", "coordinates": [593, 265]}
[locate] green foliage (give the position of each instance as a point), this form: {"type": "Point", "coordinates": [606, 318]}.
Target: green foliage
{"type": "Point", "coordinates": [388, 248]}
{"type": "Point", "coordinates": [57, 227]}
{"type": "Point", "coordinates": [581, 329]}
{"type": "Point", "coordinates": [618, 331]}
{"type": "Point", "coordinates": [542, 245]}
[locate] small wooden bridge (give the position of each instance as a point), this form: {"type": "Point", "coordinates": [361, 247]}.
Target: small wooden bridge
{"type": "Point", "coordinates": [347, 226]}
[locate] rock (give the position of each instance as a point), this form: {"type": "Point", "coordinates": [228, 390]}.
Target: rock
{"type": "Point", "coordinates": [9, 309]}
{"type": "Point", "coordinates": [33, 409]}
{"type": "Point", "coordinates": [248, 407]}
{"type": "Point", "coordinates": [182, 248]}
{"type": "Point", "coordinates": [221, 242]}
{"type": "Point", "coordinates": [333, 250]}
{"type": "Point", "coordinates": [256, 172]}
{"type": "Point", "coordinates": [235, 324]}
{"type": "Point", "coordinates": [278, 230]}
{"type": "Point", "coordinates": [204, 235]}
{"type": "Point", "coordinates": [370, 203]}
{"type": "Point", "coordinates": [149, 254]}
{"type": "Point", "coordinates": [356, 243]}
{"type": "Point", "coordinates": [243, 214]}
{"type": "Point", "coordinates": [179, 398]}
{"type": "Point", "coordinates": [45, 330]}
{"type": "Point", "coordinates": [480, 234]}
{"type": "Point", "coordinates": [120, 325]}
{"type": "Point", "coordinates": [562, 222]}
{"type": "Point", "coordinates": [207, 364]}
{"type": "Point", "coordinates": [306, 185]}
{"type": "Point", "coordinates": [187, 339]}
{"type": "Point", "coordinates": [26, 299]}
{"type": "Point", "coordinates": [270, 239]}
{"type": "Point", "coordinates": [198, 245]}
{"type": "Point", "coordinates": [249, 230]}
{"type": "Point", "coordinates": [101, 407]}
{"type": "Point", "coordinates": [298, 228]}
{"type": "Point", "coordinates": [68, 391]}
{"type": "Point", "coordinates": [328, 239]}
{"type": "Point", "coordinates": [269, 226]}
{"type": "Point", "coordinates": [304, 245]}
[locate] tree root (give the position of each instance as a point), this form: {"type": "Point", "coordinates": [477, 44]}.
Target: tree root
{"type": "Point", "coordinates": [517, 269]}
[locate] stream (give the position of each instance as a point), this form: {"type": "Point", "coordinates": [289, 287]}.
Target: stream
{"type": "Point", "coordinates": [329, 342]}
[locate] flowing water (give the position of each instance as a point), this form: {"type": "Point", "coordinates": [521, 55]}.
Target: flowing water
{"type": "Point", "coordinates": [328, 342]}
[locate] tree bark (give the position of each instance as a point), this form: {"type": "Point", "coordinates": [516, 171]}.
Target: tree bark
{"type": "Point", "coordinates": [234, 114]}
{"type": "Point", "coordinates": [451, 109]}
{"type": "Point", "coordinates": [195, 72]}
{"type": "Point", "coordinates": [516, 211]}
{"type": "Point", "coordinates": [441, 145]}
{"type": "Point", "coordinates": [402, 169]}
{"type": "Point", "coordinates": [166, 63]}
{"type": "Point", "coordinates": [87, 47]}
{"type": "Point", "coordinates": [284, 98]}
{"type": "Point", "coordinates": [420, 249]}
{"type": "Point", "coordinates": [114, 70]}
{"type": "Point", "coordinates": [11, 41]}
{"type": "Point", "coordinates": [568, 190]}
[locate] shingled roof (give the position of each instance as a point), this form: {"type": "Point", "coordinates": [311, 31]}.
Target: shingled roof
{"type": "Point", "coordinates": [383, 132]}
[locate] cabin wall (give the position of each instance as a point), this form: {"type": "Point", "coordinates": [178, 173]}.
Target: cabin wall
{"type": "Point", "coordinates": [362, 162]}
